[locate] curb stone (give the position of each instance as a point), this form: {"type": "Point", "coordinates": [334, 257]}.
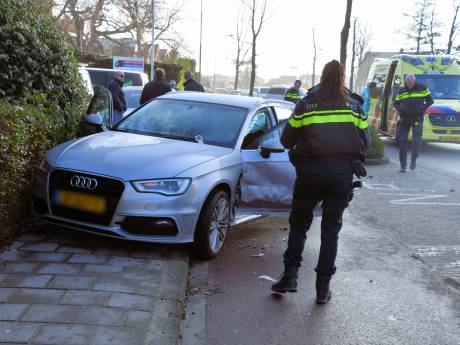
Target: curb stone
{"type": "Point", "coordinates": [378, 161]}
{"type": "Point", "coordinates": [165, 325]}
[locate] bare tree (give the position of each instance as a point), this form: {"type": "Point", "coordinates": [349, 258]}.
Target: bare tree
{"type": "Point", "coordinates": [363, 41]}
{"type": "Point", "coordinates": [259, 10]}
{"type": "Point", "coordinates": [453, 28]}
{"type": "Point", "coordinates": [241, 49]}
{"type": "Point", "coordinates": [353, 56]}
{"type": "Point", "coordinates": [314, 59]}
{"type": "Point", "coordinates": [433, 31]}
{"type": "Point", "coordinates": [418, 27]}
{"type": "Point", "coordinates": [345, 33]}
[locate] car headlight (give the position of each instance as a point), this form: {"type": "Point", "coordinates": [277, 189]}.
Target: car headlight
{"type": "Point", "coordinates": [174, 186]}
{"type": "Point", "coordinates": [44, 166]}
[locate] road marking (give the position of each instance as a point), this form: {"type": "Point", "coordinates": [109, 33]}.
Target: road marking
{"type": "Point", "coordinates": [393, 187]}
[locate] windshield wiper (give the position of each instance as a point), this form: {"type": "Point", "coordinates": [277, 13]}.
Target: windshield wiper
{"type": "Point", "coordinates": [175, 137]}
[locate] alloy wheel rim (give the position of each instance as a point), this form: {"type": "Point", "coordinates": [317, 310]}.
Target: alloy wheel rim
{"type": "Point", "coordinates": [219, 225]}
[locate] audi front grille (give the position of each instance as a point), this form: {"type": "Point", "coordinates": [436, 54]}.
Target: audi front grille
{"type": "Point", "coordinates": [87, 186]}
{"type": "Point", "coordinates": [445, 120]}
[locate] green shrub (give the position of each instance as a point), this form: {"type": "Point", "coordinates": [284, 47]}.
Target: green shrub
{"type": "Point", "coordinates": [42, 98]}
{"type": "Point", "coordinates": [377, 149]}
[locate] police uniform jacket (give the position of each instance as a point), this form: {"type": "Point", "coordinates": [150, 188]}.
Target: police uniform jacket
{"type": "Point", "coordinates": [292, 95]}
{"type": "Point", "coordinates": [315, 132]}
{"type": "Point", "coordinates": [412, 103]}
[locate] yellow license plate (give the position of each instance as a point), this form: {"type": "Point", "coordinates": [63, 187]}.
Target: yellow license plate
{"type": "Point", "coordinates": [82, 202]}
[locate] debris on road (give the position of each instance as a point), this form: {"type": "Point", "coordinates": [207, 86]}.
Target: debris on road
{"type": "Point", "coordinates": [257, 255]}
{"type": "Point", "coordinates": [268, 278]}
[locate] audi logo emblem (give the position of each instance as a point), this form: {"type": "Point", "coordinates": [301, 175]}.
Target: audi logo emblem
{"type": "Point", "coordinates": [451, 119]}
{"type": "Point", "coordinates": [83, 182]}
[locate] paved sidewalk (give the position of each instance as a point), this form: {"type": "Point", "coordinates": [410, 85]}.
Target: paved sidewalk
{"type": "Point", "coordinates": [65, 287]}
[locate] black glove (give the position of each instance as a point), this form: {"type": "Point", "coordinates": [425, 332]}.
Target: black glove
{"type": "Point", "coordinates": [358, 168]}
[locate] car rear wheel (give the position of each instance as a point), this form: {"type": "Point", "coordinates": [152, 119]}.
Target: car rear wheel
{"type": "Point", "coordinates": [213, 226]}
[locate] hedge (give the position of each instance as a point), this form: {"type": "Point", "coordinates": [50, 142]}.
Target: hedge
{"type": "Point", "coordinates": [42, 98]}
{"type": "Point", "coordinates": [377, 149]}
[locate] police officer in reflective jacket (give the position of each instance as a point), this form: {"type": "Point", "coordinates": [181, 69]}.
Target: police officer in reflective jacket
{"type": "Point", "coordinates": [293, 94]}
{"type": "Point", "coordinates": [327, 136]}
{"type": "Point", "coordinates": [411, 102]}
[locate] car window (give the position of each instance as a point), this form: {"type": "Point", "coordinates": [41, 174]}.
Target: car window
{"type": "Point", "coordinates": [100, 104]}
{"type": "Point", "coordinates": [274, 133]}
{"type": "Point", "coordinates": [132, 98]}
{"type": "Point", "coordinates": [277, 91]}
{"type": "Point", "coordinates": [283, 113]}
{"type": "Point", "coordinates": [259, 125]}
{"type": "Point", "coordinates": [214, 124]}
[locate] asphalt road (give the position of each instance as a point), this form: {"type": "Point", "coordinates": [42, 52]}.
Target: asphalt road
{"type": "Point", "coordinates": [397, 280]}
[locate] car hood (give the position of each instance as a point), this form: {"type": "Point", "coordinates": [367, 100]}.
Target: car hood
{"type": "Point", "coordinates": [444, 106]}
{"type": "Point", "coordinates": [132, 156]}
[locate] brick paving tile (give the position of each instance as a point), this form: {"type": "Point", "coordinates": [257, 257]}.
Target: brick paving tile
{"type": "Point", "coordinates": [46, 257]}
{"type": "Point", "coordinates": [7, 293]}
{"type": "Point", "coordinates": [64, 334]}
{"type": "Point", "coordinates": [81, 297]}
{"type": "Point", "coordinates": [125, 300]}
{"type": "Point", "coordinates": [137, 318]}
{"type": "Point", "coordinates": [39, 247]}
{"type": "Point", "coordinates": [115, 285]}
{"type": "Point", "coordinates": [54, 268]}
{"type": "Point", "coordinates": [72, 282]}
{"type": "Point", "coordinates": [18, 267]}
{"type": "Point", "coordinates": [87, 259]}
{"type": "Point", "coordinates": [124, 261]}
{"type": "Point", "coordinates": [11, 312]}
{"type": "Point", "coordinates": [100, 316]}
{"type": "Point", "coordinates": [90, 268]}
{"type": "Point", "coordinates": [26, 280]}
{"type": "Point", "coordinates": [18, 332]}
{"type": "Point", "coordinates": [34, 296]}
{"type": "Point", "coordinates": [116, 335]}
{"type": "Point", "coordinates": [50, 313]}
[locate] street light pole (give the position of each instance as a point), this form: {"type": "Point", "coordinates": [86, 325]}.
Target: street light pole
{"type": "Point", "coordinates": [201, 36]}
{"type": "Point", "coordinates": [152, 56]}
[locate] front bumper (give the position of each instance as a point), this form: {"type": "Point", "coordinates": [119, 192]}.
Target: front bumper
{"type": "Point", "coordinates": [131, 205]}
{"type": "Point", "coordinates": [448, 134]}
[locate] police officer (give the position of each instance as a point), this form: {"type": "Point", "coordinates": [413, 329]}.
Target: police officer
{"type": "Point", "coordinates": [411, 102]}
{"type": "Point", "coordinates": [293, 94]}
{"type": "Point", "coordinates": [327, 136]}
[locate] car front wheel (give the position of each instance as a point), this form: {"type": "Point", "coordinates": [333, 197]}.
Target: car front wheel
{"type": "Point", "coordinates": [213, 226]}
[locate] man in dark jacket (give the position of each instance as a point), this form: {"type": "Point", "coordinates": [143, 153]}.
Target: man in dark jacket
{"type": "Point", "coordinates": [155, 88]}
{"type": "Point", "coordinates": [293, 94]}
{"type": "Point", "coordinates": [118, 97]}
{"type": "Point", "coordinates": [190, 84]}
{"type": "Point", "coordinates": [411, 102]}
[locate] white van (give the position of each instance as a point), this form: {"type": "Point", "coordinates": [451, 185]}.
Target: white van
{"type": "Point", "coordinates": [102, 76]}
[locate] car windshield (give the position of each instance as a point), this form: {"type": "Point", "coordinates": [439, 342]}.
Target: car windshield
{"type": "Point", "coordinates": [213, 124]}
{"type": "Point", "coordinates": [132, 97]}
{"type": "Point", "coordinates": [441, 86]}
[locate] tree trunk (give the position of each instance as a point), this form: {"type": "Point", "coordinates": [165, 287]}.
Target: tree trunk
{"type": "Point", "coordinates": [452, 31]}
{"type": "Point", "coordinates": [237, 69]}
{"type": "Point", "coordinates": [344, 34]}
{"type": "Point", "coordinates": [253, 68]}
{"type": "Point", "coordinates": [92, 27]}
{"type": "Point", "coordinates": [314, 60]}
{"type": "Point", "coordinates": [353, 56]}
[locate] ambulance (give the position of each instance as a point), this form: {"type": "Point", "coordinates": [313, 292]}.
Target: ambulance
{"type": "Point", "coordinates": [440, 73]}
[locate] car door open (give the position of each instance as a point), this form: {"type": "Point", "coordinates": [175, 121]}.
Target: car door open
{"type": "Point", "coordinates": [268, 176]}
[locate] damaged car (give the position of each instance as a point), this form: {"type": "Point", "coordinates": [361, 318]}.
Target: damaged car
{"type": "Point", "coordinates": [182, 168]}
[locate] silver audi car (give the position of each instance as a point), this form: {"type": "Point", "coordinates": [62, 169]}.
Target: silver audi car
{"type": "Point", "coordinates": [182, 168]}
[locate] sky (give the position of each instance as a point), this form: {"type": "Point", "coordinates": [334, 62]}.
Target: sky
{"type": "Point", "coordinates": [285, 43]}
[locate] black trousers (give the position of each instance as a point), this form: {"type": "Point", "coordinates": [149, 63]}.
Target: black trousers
{"type": "Point", "coordinates": [316, 181]}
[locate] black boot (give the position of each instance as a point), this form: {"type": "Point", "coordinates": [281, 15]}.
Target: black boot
{"type": "Point", "coordinates": [288, 281]}
{"type": "Point", "coordinates": [323, 293]}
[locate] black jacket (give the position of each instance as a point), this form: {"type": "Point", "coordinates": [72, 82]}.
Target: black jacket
{"type": "Point", "coordinates": [154, 89]}
{"type": "Point", "coordinates": [118, 96]}
{"type": "Point", "coordinates": [327, 133]}
{"type": "Point", "coordinates": [412, 103]}
{"type": "Point", "coordinates": [192, 85]}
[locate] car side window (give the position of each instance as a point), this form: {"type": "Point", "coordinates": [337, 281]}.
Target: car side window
{"type": "Point", "coordinates": [100, 104]}
{"type": "Point", "coordinates": [259, 125]}
{"type": "Point", "coordinates": [283, 113]}
{"type": "Point", "coordinates": [274, 133]}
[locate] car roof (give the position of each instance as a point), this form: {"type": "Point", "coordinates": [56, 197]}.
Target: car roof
{"type": "Point", "coordinates": [224, 99]}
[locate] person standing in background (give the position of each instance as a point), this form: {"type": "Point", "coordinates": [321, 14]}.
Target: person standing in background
{"type": "Point", "coordinates": [115, 86]}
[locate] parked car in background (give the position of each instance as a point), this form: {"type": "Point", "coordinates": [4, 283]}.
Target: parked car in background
{"type": "Point", "coordinates": [178, 169]}
{"type": "Point", "coordinates": [102, 76]}
{"type": "Point", "coordinates": [84, 74]}
{"type": "Point", "coordinates": [262, 91]}
{"type": "Point", "coordinates": [221, 91]}
{"type": "Point", "coordinates": [279, 92]}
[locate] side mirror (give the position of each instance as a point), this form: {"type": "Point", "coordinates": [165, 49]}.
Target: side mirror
{"type": "Point", "coordinates": [270, 146]}
{"type": "Point", "coordinates": [91, 124]}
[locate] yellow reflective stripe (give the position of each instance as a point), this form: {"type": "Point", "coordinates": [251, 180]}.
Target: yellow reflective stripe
{"type": "Point", "coordinates": [293, 95]}
{"type": "Point", "coordinates": [326, 112]}
{"type": "Point", "coordinates": [311, 120]}
{"type": "Point", "coordinates": [407, 95]}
